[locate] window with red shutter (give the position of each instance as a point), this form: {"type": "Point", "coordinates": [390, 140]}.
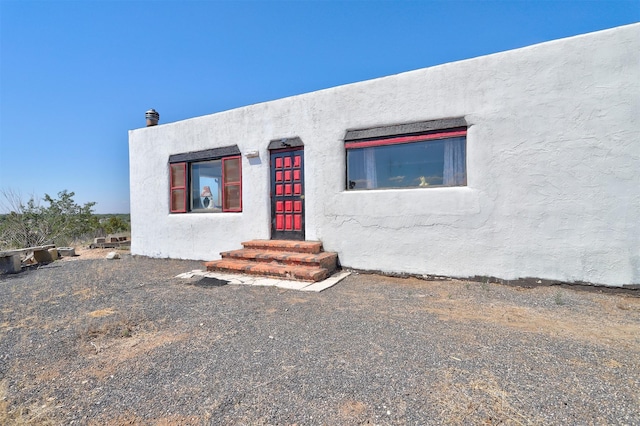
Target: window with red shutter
{"type": "Point", "coordinates": [207, 181]}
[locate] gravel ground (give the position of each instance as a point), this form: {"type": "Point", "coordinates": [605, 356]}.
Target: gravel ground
{"type": "Point", "coordinates": [124, 342]}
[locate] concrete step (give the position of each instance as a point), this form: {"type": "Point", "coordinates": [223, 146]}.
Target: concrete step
{"type": "Point", "coordinates": [296, 272]}
{"type": "Point", "coordinates": [325, 260]}
{"type": "Point", "coordinates": [313, 247]}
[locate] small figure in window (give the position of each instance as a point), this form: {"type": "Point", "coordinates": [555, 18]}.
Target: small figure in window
{"type": "Point", "coordinates": [206, 197]}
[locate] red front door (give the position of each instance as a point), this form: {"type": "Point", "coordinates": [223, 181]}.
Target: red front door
{"type": "Point", "coordinates": [287, 194]}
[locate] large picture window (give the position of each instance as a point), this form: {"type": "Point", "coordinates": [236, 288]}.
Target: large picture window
{"type": "Point", "coordinates": [200, 182]}
{"type": "Point", "coordinates": [433, 158]}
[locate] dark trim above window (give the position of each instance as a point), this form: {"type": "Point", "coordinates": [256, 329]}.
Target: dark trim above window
{"type": "Point", "coordinates": [285, 143]}
{"type": "Point", "coordinates": [420, 127]}
{"type": "Point", "coordinates": [207, 154]}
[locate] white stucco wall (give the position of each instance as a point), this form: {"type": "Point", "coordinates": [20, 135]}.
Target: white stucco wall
{"type": "Point", "coordinates": [553, 163]}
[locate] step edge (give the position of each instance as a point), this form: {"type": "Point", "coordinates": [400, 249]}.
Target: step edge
{"type": "Point", "coordinates": [286, 245]}
{"type": "Point", "coordinates": [278, 254]}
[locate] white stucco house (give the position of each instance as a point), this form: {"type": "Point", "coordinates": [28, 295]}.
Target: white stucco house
{"type": "Point", "coordinates": [520, 164]}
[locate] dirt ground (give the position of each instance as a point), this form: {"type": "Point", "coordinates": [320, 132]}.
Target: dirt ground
{"type": "Point", "coordinates": [95, 341]}
{"type": "Point", "coordinates": [584, 326]}
{"type": "Point", "coordinates": [86, 253]}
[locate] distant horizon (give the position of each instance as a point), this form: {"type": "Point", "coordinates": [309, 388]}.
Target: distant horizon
{"type": "Point", "coordinates": [75, 77]}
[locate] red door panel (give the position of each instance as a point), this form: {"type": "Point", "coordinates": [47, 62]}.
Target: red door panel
{"type": "Point", "coordinates": [287, 194]}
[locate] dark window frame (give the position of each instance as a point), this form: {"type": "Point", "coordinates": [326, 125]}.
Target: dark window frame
{"type": "Point", "coordinates": [379, 139]}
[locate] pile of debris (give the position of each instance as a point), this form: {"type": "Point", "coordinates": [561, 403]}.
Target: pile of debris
{"type": "Point", "coordinates": [111, 241]}
{"type": "Point", "coordinates": [12, 261]}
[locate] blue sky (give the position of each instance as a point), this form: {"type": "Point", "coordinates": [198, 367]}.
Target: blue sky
{"type": "Point", "coordinates": [75, 76]}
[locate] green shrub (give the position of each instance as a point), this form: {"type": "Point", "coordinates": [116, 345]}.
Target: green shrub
{"type": "Point", "coordinates": [60, 223]}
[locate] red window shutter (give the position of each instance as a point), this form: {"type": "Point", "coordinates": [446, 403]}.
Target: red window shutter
{"type": "Point", "coordinates": [232, 184]}
{"type": "Point", "coordinates": [178, 187]}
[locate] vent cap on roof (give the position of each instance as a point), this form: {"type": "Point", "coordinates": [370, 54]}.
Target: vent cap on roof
{"type": "Point", "coordinates": [152, 117]}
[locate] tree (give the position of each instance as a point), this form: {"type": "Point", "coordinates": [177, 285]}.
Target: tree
{"type": "Point", "coordinates": [114, 225]}
{"type": "Point", "coordinates": [31, 224]}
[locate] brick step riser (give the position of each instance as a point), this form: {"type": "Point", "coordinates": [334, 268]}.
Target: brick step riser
{"type": "Point", "coordinates": [283, 249]}
{"type": "Point", "coordinates": [330, 263]}
{"type": "Point", "coordinates": [295, 247]}
{"type": "Point", "coordinates": [288, 277]}
{"type": "Point", "coordinates": [251, 269]}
